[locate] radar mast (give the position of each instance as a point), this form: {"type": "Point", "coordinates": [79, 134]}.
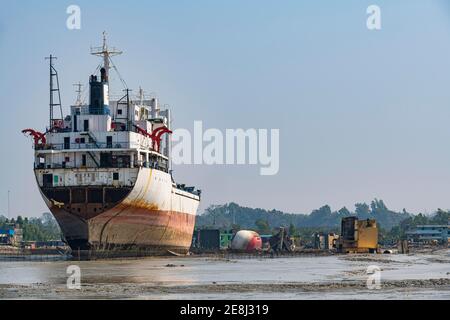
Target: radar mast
{"type": "Point", "coordinates": [106, 53]}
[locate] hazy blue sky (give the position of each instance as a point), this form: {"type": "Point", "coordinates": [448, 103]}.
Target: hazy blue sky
{"type": "Point", "coordinates": [362, 114]}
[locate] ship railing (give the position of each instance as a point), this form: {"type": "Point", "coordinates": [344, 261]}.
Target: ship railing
{"type": "Point", "coordinates": [79, 110]}
{"type": "Point", "coordinates": [190, 190]}
{"type": "Point", "coordinates": [66, 166]}
{"type": "Point", "coordinates": [75, 146]}
{"type": "Point", "coordinates": [152, 165]}
{"type": "Point", "coordinates": [93, 146]}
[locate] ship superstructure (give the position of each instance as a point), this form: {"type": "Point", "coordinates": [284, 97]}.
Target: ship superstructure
{"type": "Point", "coordinates": [104, 172]}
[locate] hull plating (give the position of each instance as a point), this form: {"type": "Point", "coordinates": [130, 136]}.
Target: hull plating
{"type": "Point", "coordinates": [154, 218]}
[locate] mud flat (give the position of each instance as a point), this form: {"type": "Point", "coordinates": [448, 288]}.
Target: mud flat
{"type": "Point", "coordinates": [414, 276]}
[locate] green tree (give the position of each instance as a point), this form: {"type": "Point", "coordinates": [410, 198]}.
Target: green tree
{"type": "Point", "coordinates": [263, 226]}
{"type": "Point", "coordinates": [441, 217]}
{"type": "Point", "coordinates": [20, 220]}
{"type": "Point", "coordinates": [292, 230]}
{"type": "Point", "coordinates": [344, 212]}
{"type": "Point", "coordinates": [378, 206]}
{"type": "Point", "coordinates": [420, 219]}
{"type": "Point", "coordinates": [362, 210]}
{"type": "Point", "coordinates": [235, 227]}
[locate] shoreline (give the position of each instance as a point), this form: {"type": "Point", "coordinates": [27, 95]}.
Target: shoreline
{"type": "Point", "coordinates": [416, 275]}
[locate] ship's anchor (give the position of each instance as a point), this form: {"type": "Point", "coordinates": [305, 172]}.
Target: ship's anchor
{"type": "Point", "coordinates": [57, 204]}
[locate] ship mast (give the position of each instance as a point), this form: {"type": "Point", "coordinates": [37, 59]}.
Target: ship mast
{"type": "Point", "coordinates": [106, 53]}
{"type": "Point", "coordinates": [79, 101]}
{"type": "Point", "coordinates": [54, 122]}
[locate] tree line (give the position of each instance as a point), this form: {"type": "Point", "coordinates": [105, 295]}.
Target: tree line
{"type": "Point", "coordinates": [392, 225]}
{"type": "Point", "coordinates": [44, 228]}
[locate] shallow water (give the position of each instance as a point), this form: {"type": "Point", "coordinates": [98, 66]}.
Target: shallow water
{"type": "Point", "coordinates": [308, 277]}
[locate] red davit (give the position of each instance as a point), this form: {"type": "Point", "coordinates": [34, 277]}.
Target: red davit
{"type": "Point", "coordinates": [155, 135]}
{"type": "Point", "coordinates": [39, 138]}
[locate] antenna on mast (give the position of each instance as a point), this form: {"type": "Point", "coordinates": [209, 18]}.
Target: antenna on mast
{"type": "Point", "coordinates": [54, 122]}
{"type": "Point", "coordinates": [106, 53]}
{"type": "Point", "coordinates": [141, 96]}
{"type": "Point", "coordinates": [8, 206]}
{"type": "Point", "coordinates": [79, 102]}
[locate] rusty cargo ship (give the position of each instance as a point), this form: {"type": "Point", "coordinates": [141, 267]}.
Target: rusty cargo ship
{"type": "Point", "coordinates": [105, 173]}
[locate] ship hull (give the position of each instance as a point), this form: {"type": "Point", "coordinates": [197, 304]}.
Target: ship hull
{"type": "Point", "coordinates": [154, 218]}
{"type": "Point", "coordinates": [127, 232]}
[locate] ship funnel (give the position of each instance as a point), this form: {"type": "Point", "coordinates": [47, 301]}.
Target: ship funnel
{"type": "Point", "coordinates": [103, 76]}
{"type": "Point", "coordinates": [155, 108]}
{"type": "Point", "coordinates": [99, 95]}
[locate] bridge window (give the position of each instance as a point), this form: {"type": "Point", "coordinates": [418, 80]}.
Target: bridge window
{"type": "Point", "coordinates": [109, 141]}
{"type": "Point", "coordinates": [66, 143]}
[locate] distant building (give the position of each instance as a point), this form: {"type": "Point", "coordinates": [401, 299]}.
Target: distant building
{"type": "Point", "coordinates": [429, 233]}
{"type": "Point", "coordinates": [11, 235]}
{"type": "Point", "coordinates": [6, 235]}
